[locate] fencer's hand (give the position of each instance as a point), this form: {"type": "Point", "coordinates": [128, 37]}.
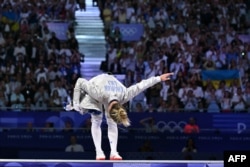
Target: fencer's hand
{"type": "Point", "coordinates": [69, 107]}
{"type": "Point", "coordinates": [166, 76]}
{"type": "Point", "coordinates": [77, 107]}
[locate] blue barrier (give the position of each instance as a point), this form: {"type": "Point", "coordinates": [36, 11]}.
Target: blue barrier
{"type": "Point", "coordinates": [128, 142]}
{"type": "Point", "coordinates": [166, 122]}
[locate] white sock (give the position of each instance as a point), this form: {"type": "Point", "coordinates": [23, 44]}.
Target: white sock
{"type": "Point", "coordinates": [96, 132]}
{"type": "Point", "coordinates": [112, 135]}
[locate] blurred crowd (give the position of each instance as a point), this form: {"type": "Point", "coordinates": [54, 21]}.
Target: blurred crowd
{"type": "Point", "coordinates": [184, 37]}
{"type": "Point", "coordinates": [37, 69]}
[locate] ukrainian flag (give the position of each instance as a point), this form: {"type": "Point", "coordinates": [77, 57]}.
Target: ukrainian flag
{"type": "Point", "coordinates": [215, 76]}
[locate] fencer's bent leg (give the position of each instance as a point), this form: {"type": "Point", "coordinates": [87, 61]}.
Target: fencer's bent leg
{"type": "Point", "coordinates": [96, 133]}
{"type": "Point", "coordinates": [113, 137]}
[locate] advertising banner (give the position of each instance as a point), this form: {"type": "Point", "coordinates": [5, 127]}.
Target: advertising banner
{"type": "Point", "coordinates": [130, 32]}
{"type": "Point", "coordinates": [60, 28]}
{"type": "Point", "coordinates": [165, 122]}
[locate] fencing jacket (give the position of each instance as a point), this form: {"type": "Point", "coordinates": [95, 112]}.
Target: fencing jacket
{"type": "Point", "coordinates": [105, 88]}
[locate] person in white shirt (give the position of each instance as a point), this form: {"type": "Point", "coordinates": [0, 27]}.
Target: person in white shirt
{"type": "Point", "coordinates": [19, 51]}
{"type": "Point", "coordinates": [226, 102]}
{"type": "Point", "coordinates": [41, 72]}
{"type": "Point", "coordinates": [197, 90]}
{"type": "Point", "coordinates": [129, 12]}
{"type": "Point", "coordinates": [176, 66]}
{"type": "Point", "coordinates": [164, 90]}
{"type": "Point", "coordinates": [65, 50]}
{"type": "Point", "coordinates": [161, 17]}
{"type": "Point", "coordinates": [221, 89]}
{"type": "Point", "coordinates": [74, 146]}
{"type": "Point", "coordinates": [17, 100]}
{"type": "Point", "coordinates": [190, 102]}
{"type": "Point", "coordinates": [182, 92]}
{"type": "Point", "coordinates": [151, 22]}
{"type": "Point", "coordinates": [58, 86]}
{"type": "Point", "coordinates": [151, 71]}
{"type": "Point", "coordinates": [238, 100]}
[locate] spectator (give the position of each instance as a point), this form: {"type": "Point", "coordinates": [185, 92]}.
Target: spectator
{"type": "Point", "coordinates": [149, 124]}
{"type": "Point", "coordinates": [239, 101]}
{"type": "Point", "coordinates": [62, 92]}
{"type": "Point", "coordinates": [19, 52]}
{"type": "Point", "coordinates": [116, 37]}
{"type": "Point", "coordinates": [212, 103]}
{"type": "Point", "coordinates": [29, 127]}
{"type": "Point", "coordinates": [189, 147]}
{"type": "Point", "coordinates": [173, 104]}
{"type": "Point", "coordinates": [247, 98]}
{"type": "Point", "coordinates": [182, 92]}
{"type": "Point", "coordinates": [146, 147]}
{"type": "Point", "coordinates": [190, 102]}
{"type": "Point", "coordinates": [14, 83]}
{"type": "Point", "coordinates": [29, 105]}
{"type": "Point", "coordinates": [164, 91]}
{"type": "Point", "coordinates": [74, 146]}
{"type": "Point", "coordinates": [150, 109]}
{"type": "Point", "coordinates": [172, 90]}
{"type": "Point", "coordinates": [107, 17]}
{"type": "Point", "coordinates": [17, 100]}
{"type": "Point", "coordinates": [162, 107]}
{"type": "Point", "coordinates": [138, 108]}
{"type": "Point", "coordinates": [55, 102]}
{"type": "Point", "coordinates": [122, 17]}
{"type": "Point", "coordinates": [129, 78]}
{"type": "Point", "coordinates": [225, 102]}
{"type": "Point", "coordinates": [41, 98]}
{"type": "Point", "coordinates": [4, 100]}
{"type": "Point", "coordinates": [41, 72]}
{"type": "Point", "coordinates": [49, 127]}
{"type": "Point", "coordinates": [28, 89]}
{"type": "Point", "coordinates": [151, 71]}
{"type": "Point", "coordinates": [65, 50]}
{"type": "Point", "coordinates": [82, 5]}
{"type": "Point", "coordinates": [221, 89]}
{"type": "Point", "coordinates": [87, 125]}
{"type": "Point", "coordinates": [115, 67]}
{"type": "Point", "coordinates": [153, 95]}
{"type": "Point", "coordinates": [191, 127]}
{"type": "Point", "coordinates": [54, 41]}
{"type": "Point", "coordinates": [68, 127]}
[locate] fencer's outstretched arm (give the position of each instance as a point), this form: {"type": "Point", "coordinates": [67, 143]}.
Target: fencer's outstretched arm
{"type": "Point", "coordinates": [96, 93]}
{"type": "Point", "coordinates": [136, 89]}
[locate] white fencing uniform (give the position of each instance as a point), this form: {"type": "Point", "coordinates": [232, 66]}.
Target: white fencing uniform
{"type": "Point", "coordinates": [101, 90]}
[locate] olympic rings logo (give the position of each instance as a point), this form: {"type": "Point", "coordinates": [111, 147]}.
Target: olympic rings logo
{"type": "Point", "coordinates": [128, 31]}
{"type": "Point", "coordinates": [170, 126]}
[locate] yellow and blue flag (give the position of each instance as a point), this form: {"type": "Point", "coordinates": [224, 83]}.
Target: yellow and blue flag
{"type": "Point", "coordinates": [215, 76]}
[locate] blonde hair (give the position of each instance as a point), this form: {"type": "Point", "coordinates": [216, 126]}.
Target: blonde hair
{"type": "Point", "coordinates": [119, 114]}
